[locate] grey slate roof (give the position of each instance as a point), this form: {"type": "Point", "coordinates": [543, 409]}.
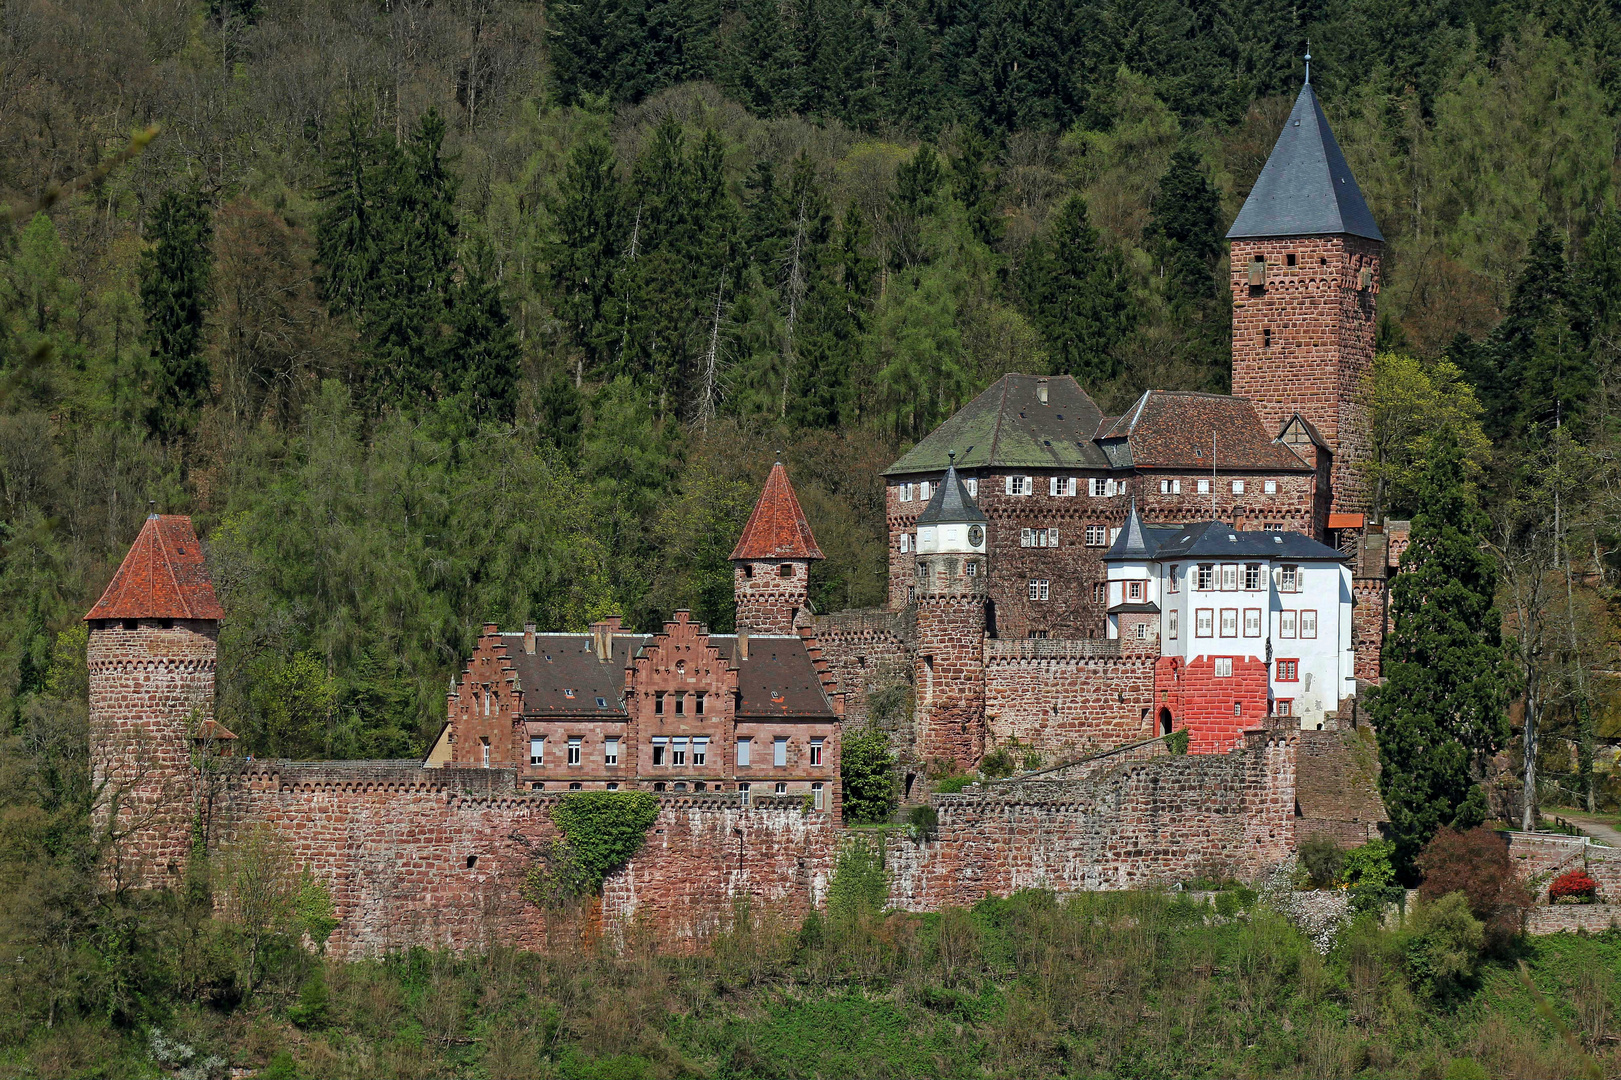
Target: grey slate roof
{"type": "Point", "coordinates": [1217, 539]}
{"type": "Point", "coordinates": [778, 680]}
{"type": "Point", "coordinates": [1009, 426]}
{"type": "Point", "coordinates": [1306, 188]}
{"type": "Point", "coordinates": [1133, 541]}
{"type": "Point", "coordinates": [951, 503]}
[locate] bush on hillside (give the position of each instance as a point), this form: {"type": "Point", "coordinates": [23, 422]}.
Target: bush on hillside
{"type": "Point", "coordinates": [1444, 945]}
{"type": "Point", "coordinates": [1321, 858]}
{"type": "Point", "coordinates": [1476, 864]}
{"type": "Point", "coordinates": [1371, 876]}
{"type": "Point", "coordinates": [1573, 887]}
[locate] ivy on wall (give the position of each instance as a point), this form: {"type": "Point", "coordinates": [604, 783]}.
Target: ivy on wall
{"type": "Point", "coordinates": [602, 831]}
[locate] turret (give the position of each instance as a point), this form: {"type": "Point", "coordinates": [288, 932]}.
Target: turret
{"type": "Point", "coordinates": [151, 655]}
{"type": "Point", "coordinates": [771, 563]}
{"type": "Point", "coordinates": [951, 578]}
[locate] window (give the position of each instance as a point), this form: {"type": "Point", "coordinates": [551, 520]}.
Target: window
{"type": "Point", "coordinates": [1041, 635]}
{"type": "Point", "coordinates": [575, 786]}
{"type": "Point", "coordinates": [700, 750]}
{"type": "Point", "coordinates": [1272, 526]}
{"type": "Point", "coordinates": [1252, 622]}
{"type": "Point", "coordinates": [1040, 538]}
{"type": "Point", "coordinates": [1266, 338]}
{"type": "Point", "coordinates": [1308, 624]}
{"type": "Point", "coordinates": [1094, 486]}
{"type": "Point", "coordinates": [1062, 486]}
{"type": "Point", "coordinates": [1171, 576]}
{"type": "Point", "coordinates": [1224, 667]}
{"type": "Point", "coordinates": [610, 751]}
{"type": "Point", "coordinates": [660, 747]}
{"type": "Point", "coordinates": [1238, 487]}
{"type": "Point", "coordinates": [1270, 487]}
{"type": "Point", "coordinates": [1038, 588]}
{"type": "Point", "coordinates": [1207, 574]}
{"type": "Point", "coordinates": [1229, 622]}
{"type": "Point", "coordinates": [782, 789]}
{"type": "Point", "coordinates": [743, 793]}
{"type": "Point", "coordinates": [1252, 575]}
{"type": "Point", "coordinates": [568, 692]}
{"type": "Point", "coordinates": [971, 569]}
{"type": "Point", "coordinates": [1285, 707]}
{"type": "Point", "coordinates": [699, 699]}
{"type": "Point", "coordinates": [1288, 670]}
{"type": "Point", "coordinates": [1097, 535]}
{"type": "Point", "coordinates": [1202, 622]}
{"type": "Point", "coordinates": [1204, 487]}
{"type": "Point", "coordinates": [678, 786]}
{"type": "Point", "coordinates": [1238, 708]}
{"type": "Point", "coordinates": [743, 748]}
{"type": "Point", "coordinates": [1100, 592]}
{"type": "Point", "coordinates": [1229, 577]}
{"type": "Point", "coordinates": [1134, 590]}
{"type": "Point", "coordinates": [680, 703]}
{"type": "Point", "coordinates": [602, 702]}
{"type": "Point", "coordinates": [924, 490]}
{"type": "Point", "coordinates": [1288, 579]}
{"type": "Point", "coordinates": [1140, 631]}
{"type": "Point", "coordinates": [613, 787]}
{"type": "Point", "coordinates": [659, 786]}
{"type": "Point", "coordinates": [1286, 624]}
{"type": "Point", "coordinates": [484, 746]}
{"type": "Point", "coordinates": [906, 543]}
{"type": "Point", "coordinates": [1019, 485]}
{"type": "Point", "coordinates": [817, 798]}
{"type": "Point", "coordinates": [678, 750]}
{"type": "Point", "coordinates": [1289, 259]}
{"type": "Point", "coordinates": [538, 785]}
{"type": "Point", "coordinates": [537, 750]}
{"type": "Point", "coordinates": [906, 493]}
{"type": "Point", "coordinates": [972, 484]}
{"type": "Point", "coordinates": [574, 749]}
{"type": "Point", "coordinates": [779, 751]}
{"type": "Point", "coordinates": [1175, 623]}
{"type": "Point", "coordinates": [816, 751]}
{"type": "Point", "coordinates": [658, 703]}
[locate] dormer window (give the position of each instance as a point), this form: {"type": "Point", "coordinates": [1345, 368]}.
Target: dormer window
{"type": "Point", "coordinates": [568, 692]}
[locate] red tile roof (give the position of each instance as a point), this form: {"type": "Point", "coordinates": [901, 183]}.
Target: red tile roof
{"type": "Point", "coordinates": [1169, 429]}
{"type": "Point", "coordinates": [162, 577]}
{"type": "Point", "coordinates": [777, 529]}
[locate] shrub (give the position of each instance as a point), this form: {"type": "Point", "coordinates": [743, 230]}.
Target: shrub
{"type": "Point", "coordinates": [1445, 944]}
{"type": "Point", "coordinates": [996, 764]}
{"type": "Point", "coordinates": [952, 785]}
{"type": "Point", "coordinates": [859, 884]}
{"type": "Point", "coordinates": [1371, 877]}
{"type": "Point", "coordinates": [1177, 742]}
{"type": "Point", "coordinates": [310, 1010]}
{"type": "Point", "coordinates": [1476, 863]}
{"type": "Point", "coordinates": [1573, 887]}
{"type": "Point", "coordinates": [1322, 859]}
{"type": "Point", "coordinates": [867, 771]}
{"type": "Point", "coordinates": [922, 819]}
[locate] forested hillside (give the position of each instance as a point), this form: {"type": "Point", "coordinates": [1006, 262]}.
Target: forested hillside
{"type": "Point", "coordinates": [434, 313]}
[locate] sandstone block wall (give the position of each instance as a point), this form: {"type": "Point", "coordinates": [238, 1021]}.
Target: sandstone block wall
{"type": "Point", "coordinates": [1369, 614]}
{"type": "Point", "coordinates": [868, 652]}
{"type": "Point", "coordinates": [950, 676]}
{"type": "Point", "coordinates": [1063, 698]}
{"type": "Point", "coordinates": [768, 602]}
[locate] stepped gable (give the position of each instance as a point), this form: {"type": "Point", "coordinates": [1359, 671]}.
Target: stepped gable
{"type": "Point", "coordinates": [779, 678]}
{"type": "Point", "coordinates": [1172, 429]}
{"type": "Point", "coordinates": [1010, 426]}
{"type": "Point", "coordinates": [1306, 188]}
{"type": "Point", "coordinates": [777, 529]}
{"type": "Point", "coordinates": [164, 576]}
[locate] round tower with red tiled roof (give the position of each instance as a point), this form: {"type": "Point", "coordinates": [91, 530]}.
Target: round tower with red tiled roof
{"type": "Point", "coordinates": [771, 563]}
{"type": "Point", "coordinates": [151, 656]}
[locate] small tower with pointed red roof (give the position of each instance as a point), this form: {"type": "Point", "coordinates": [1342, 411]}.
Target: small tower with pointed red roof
{"type": "Point", "coordinates": [771, 563]}
{"type": "Point", "coordinates": [151, 656]}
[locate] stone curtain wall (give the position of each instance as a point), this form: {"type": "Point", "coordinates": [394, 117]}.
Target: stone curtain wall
{"type": "Point", "coordinates": [1138, 825]}
{"type": "Point", "coordinates": [1064, 698]}
{"type": "Point", "coordinates": [1368, 623]}
{"type": "Point", "coordinates": [151, 689]}
{"type": "Point", "coordinates": [437, 857]}
{"type": "Point", "coordinates": [868, 651]}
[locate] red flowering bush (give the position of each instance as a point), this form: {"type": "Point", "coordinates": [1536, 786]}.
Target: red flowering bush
{"type": "Point", "coordinates": [1476, 863]}
{"type": "Point", "coordinates": [1573, 887]}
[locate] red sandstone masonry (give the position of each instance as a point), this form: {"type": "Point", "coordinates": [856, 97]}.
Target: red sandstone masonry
{"type": "Point", "coordinates": [1203, 703]}
{"type": "Point", "coordinates": [1063, 698]}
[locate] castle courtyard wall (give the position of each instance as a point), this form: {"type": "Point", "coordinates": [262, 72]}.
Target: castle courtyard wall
{"type": "Point", "coordinates": [1063, 698]}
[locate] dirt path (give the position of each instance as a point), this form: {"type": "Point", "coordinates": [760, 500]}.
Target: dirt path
{"type": "Point", "coordinates": [1597, 828]}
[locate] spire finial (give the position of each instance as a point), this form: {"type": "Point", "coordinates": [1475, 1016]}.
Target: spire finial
{"type": "Point", "coordinates": [951, 456]}
{"type": "Point", "coordinates": [779, 457]}
{"type": "Point", "coordinates": [1308, 61]}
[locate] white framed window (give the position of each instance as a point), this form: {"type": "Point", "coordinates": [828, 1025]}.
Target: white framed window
{"type": "Point", "coordinates": [782, 788]}
{"type": "Point", "coordinates": [1094, 486]}
{"type": "Point", "coordinates": [1284, 707]}
{"type": "Point", "coordinates": [1062, 486]}
{"type": "Point", "coordinates": [1176, 486]}
{"type": "Point", "coordinates": [1140, 631]}
{"type": "Point", "coordinates": [1172, 579]}
{"type": "Point", "coordinates": [1270, 487]}
{"type": "Point", "coordinates": [1097, 535]}
{"type": "Point", "coordinates": [610, 751]}
{"type": "Point", "coordinates": [779, 751]}
{"type": "Point", "coordinates": [1252, 622]}
{"type": "Point", "coordinates": [818, 797]}
{"type": "Point", "coordinates": [1229, 576]}
{"type": "Point", "coordinates": [678, 750]}
{"type": "Point", "coordinates": [1207, 576]}
{"type": "Point", "coordinates": [1229, 622]}
{"type": "Point", "coordinates": [1038, 588]}
{"type": "Point", "coordinates": [1202, 619]}
{"type": "Point", "coordinates": [1019, 485]}
{"type": "Point", "coordinates": [613, 787]}
{"type": "Point", "coordinates": [972, 569]}
{"type": "Point", "coordinates": [537, 750]}
{"type": "Point", "coordinates": [1252, 576]}
{"type": "Point", "coordinates": [700, 750]}
{"type": "Point", "coordinates": [1238, 487]}
{"type": "Point", "coordinates": [484, 747]}
{"type": "Point", "coordinates": [1204, 487]}
{"type": "Point", "coordinates": [1272, 526]}
{"type": "Point", "coordinates": [1224, 667]}
{"type": "Point", "coordinates": [574, 749]}
{"type": "Point", "coordinates": [816, 751]}
{"type": "Point", "coordinates": [1286, 624]}
{"type": "Point", "coordinates": [1134, 590]}
{"type": "Point", "coordinates": [743, 748]}
{"type": "Point", "coordinates": [1164, 487]}
{"type": "Point", "coordinates": [1238, 708]}
{"type": "Point", "coordinates": [906, 492]}
{"type": "Point", "coordinates": [1100, 592]}
{"type": "Point", "coordinates": [661, 750]}
{"type": "Point", "coordinates": [743, 792]}
{"type": "Point", "coordinates": [1308, 623]}
{"type": "Point", "coordinates": [1174, 624]}
{"type": "Point", "coordinates": [1039, 538]}
{"type": "Point", "coordinates": [924, 491]}
{"type": "Point", "coordinates": [1288, 578]}
{"type": "Point", "coordinates": [972, 484]}
{"type": "Point", "coordinates": [906, 543]}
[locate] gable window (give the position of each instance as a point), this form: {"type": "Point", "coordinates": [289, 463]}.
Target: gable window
{"type": "Point", "coordinates": [743, 748]}
{"type": "Point", "coordinates": [1288, 670]}
{"type": "Point", "coordinates": [678, 750]}
{"type": "Point", "coordinates": [1202, 622]}
{"type": "Point", "coordinates": [1286, 624]}
{"type": "Point", "coordinates": [700, 750]}
{"type": "Point", "coordinates": [1038, 588]}
{"type": "Point", "coordinates": [1100, 592]}
{"type": "Point", "coordinates": [1204, 487]}
{"type": "Point", "coordinates": [661, 747]}
{"type": "Point", "coordinates": [1019, 485]}
{"type": "Point", "coordinates": [1252, 576]}
{"type": "Point", "coordinates": [1238, 487]}
{"type": "Point", "coordinates": [1252, 622]}
{"type": "Point", "coordinates": [1308, 623]}
{"type": "Point", "coordinates": [1097, 535]}
{"type": "Point", "coordinates": [574, 749]}
{"type": "Point", "coordinates": [1175, 623]}
{"type": "Point", "coordinates": [779, 751]}
{"type": "Point", "coordinates": [816, 751]}
{"type": "Point", "coordinates": [1270, 487]}
{"type": "Point", "coordinates": [610, 751]}
{"type": "Point", "coordinates": [1207, 576]}
{"type": "Point", "coordinates": [1229, 622]}
{"type": "Point", "coordinates": [1288, 578]}
{"type": "Point", "coordinates": [537, 750]}
{"type": "Point", "coordinates": [1229, 576]}
{"type": "Point", "coordinates": [1224, 667]}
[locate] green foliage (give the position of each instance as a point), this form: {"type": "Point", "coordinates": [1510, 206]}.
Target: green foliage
{"type": "Point", "coordinates": [859, 885]}
{"type": "Point", "coordinates": [867, 775]}
{"type": "Point", "coordinates": [1413, 405]}
{"type": "Point", "coordinates": [1370, 874]}
{"type": "Point", "coordinates": [953, 784]}
{"type": "Point", "coordinates": [922, 820]}
{"type": "Point", "coordinates": [1444, 944]}
{"type": "Point", "coordinates": [176, 280]}
{"type": "Point", "coordinates": [997, 764]}
{"type": "Point", "coordinates": [1074, 288]}
{"type": "Point", "coordinates": [1322, 858]}
{"type": "Point", "coordinates": [602, 831]}
{"type": "Point", "coordinates": [1176, 742]}
{"type": "Point", "coordinates": [312, 1008]}
{"type": "Point", "coordinates": [1476, 865]}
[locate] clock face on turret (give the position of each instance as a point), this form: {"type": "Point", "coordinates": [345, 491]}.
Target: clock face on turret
{"type": "Point", "coordinates": [976, 536]}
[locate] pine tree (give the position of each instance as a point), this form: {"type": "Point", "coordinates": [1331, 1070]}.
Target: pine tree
{"type": "Point", "coordinates": [974, 178]}
{"type": "Point", "coordinates": [762, 66]}
{"type": "Point", "coordinates": [1184, 230]}
{"type": "Point", "coordinates": [483, 345]}
{"type": "Point", "coordinates": [1440, 715]}
{"type": "Point", "coordinates": [1517, 374]}
{"type": "Point", "coordinates": [1074, 288]}
{"type": "Point", "coordinates": [582, 255]}
{"type": "Point", "coordinates": [347, 230]}
{"type": "Point", "coordinates": [175, 276]}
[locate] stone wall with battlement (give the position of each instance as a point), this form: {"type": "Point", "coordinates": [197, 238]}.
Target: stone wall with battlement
{"type": "Point", "coordinates": [1140, 824]}
{"type": "Point", "coordinates": [872, 652]}
{"type": "Point", "coordinates": [1062, 698]}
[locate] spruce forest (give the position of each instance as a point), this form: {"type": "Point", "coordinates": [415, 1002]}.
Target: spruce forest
{"type": "Point", "coordinates": [434, 313]}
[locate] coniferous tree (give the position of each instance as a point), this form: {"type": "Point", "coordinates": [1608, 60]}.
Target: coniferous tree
{"type": "Point", "coordinates": [1184, 230]}
{"type": "Point", "coordinates": [583, 252]}
{"type": "Point", "coordinates": [761, 63]}
{"type": "Point", "coordinates": [1520, 373]}
{"type": "Point", "coordinates": [974, 178]}
{"type": "Point", "coordinates": [1440, 715]}
{"type": "Point", "coordinates": [358, 172]}
{"type": "Point", "coordinates": [483, 346]}
{"type": "Point", "coordinates": [1074, 288]}
{"type": "Point", "coordinates": [175, 275]}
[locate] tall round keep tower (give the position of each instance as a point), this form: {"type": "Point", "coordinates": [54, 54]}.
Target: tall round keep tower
{"type": "Point", "coordinates": [151, 654]}
{"type": "Point", "coordinates": [950, 575]}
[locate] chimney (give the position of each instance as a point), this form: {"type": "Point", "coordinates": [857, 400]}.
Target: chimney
{"type": "Point", "coordinates": [529, 638]}
{"type": "Point", "coordinates": [602, 640]}
{"type": "Point", "coordinates": [1041, 390]}
{"type": "Point", "coordinates": [742, 643]}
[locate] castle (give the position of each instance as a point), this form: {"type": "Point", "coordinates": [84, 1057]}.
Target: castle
{"type": "Point", "coordinates": [1073, 586]}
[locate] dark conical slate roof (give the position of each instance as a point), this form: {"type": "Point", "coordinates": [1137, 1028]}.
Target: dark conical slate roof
{"type": "Point", "coordinates": [1306, 188]}
{"type": "Point", "coordinates": [951, 503]}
